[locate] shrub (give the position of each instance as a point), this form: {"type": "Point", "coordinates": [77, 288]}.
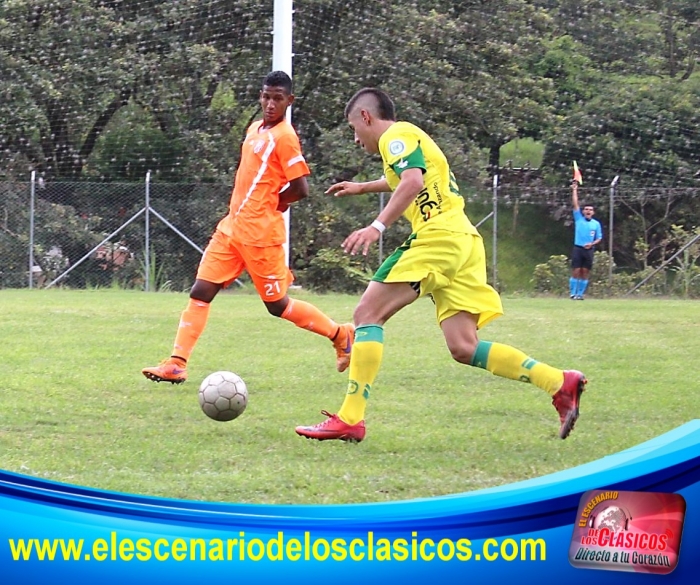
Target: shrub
{"type": "Point", "coordinates": [553, 276]}
{"type": "Point", "coordinates": [332, 270]}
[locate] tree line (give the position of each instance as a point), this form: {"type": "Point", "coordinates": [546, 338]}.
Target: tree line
{"type": "Point", "coordinates": [106, 90]}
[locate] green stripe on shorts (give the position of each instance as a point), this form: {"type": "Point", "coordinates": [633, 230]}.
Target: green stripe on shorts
{"type": "Point", "coordinates": [384, 270]}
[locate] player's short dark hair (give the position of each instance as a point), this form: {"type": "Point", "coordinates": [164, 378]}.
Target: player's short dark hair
{"type": "Point", "coordinates": [588, 205]}
{"type": "Point", "coordinates": [278, 79]}
{"type": "Point", "coordinates": [385, 107]}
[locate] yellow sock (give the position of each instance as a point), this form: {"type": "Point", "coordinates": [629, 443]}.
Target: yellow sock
{"type": "Point", "coordinates": [509, 362]}
{"type": "Point", "coordinates": [192, 323]}
{"type": "Point", "coordinates": [365, 359]}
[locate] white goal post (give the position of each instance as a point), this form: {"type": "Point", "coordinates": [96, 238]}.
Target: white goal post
{"type": "Point", "coordinates": [282, 54]}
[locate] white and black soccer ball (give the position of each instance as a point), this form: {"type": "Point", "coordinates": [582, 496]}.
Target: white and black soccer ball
{"type": "Point", "coordinates": [223, 396]}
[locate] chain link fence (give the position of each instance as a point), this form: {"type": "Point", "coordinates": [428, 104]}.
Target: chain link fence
{"type": "Point", "coordinates": [81, 235]}
{"type": "Point", "coordinates": [150, 236]}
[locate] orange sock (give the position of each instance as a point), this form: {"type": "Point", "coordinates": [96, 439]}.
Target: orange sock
{"type": "Point", "coordinates": [192, 323]}
{"type": "Point", "coordinates": [306, 316]}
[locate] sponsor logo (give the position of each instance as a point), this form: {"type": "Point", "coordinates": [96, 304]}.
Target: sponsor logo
{"type": "Point", "coordinates": [425, 204]}
{"type": "Point", "coordinates": [636, 532]}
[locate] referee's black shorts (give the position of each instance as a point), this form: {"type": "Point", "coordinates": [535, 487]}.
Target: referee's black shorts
{"type": "Point", "coordinates": [582, 257]}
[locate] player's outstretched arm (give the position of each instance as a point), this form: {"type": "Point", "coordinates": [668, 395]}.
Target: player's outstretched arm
{"type": "Point", "coordinates": [345, 188]}
{"type": "Point", "coordinates": [574, 196]}
{"type": "Point", "coordinates": [410, 185]}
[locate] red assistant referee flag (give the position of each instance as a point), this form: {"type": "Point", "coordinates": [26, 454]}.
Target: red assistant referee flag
{"type": "Point", "coordinates": [577, 174]}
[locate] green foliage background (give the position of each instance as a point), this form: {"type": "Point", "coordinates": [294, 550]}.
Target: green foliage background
{"type": "Point", "coordinates": [108, 90]}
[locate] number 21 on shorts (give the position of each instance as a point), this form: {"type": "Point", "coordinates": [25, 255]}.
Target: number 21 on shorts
{"type": "Point", "coordinates": [272, 289]}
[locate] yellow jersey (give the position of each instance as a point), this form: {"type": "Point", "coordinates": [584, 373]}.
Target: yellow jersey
{"type": "Point", "coordinates": [439, 204]}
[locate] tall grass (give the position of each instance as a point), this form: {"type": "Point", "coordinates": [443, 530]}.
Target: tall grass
{"type": "Point", "coordinates": [527, 237]}
{"type": "Point", "coordinates": [156, 271]}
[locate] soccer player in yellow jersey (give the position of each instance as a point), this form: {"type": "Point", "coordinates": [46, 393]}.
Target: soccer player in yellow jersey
{"type": "Point", "coordinates": [271, 175]}
{"type": "Point", "coordinates": [443, 257]}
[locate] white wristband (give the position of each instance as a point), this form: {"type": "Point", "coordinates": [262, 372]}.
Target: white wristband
{"type": "Point", "coordinates": [378, 225]}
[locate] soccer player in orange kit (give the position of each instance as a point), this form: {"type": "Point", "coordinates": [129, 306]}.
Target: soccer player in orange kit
{"type": "Point", "coordinates": [271, 175]}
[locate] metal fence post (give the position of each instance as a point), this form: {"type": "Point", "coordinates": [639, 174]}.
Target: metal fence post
{"type": "Point", "coordinates": [610, 228]}
{"type": "Point", "coordinates": [147, 237]}
{"type": "Point", "coordinates": [32, 193]}
{"type": "Point", "coordinates": [495, 231]}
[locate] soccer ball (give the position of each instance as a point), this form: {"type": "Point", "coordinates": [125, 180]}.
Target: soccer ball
{"type": "Point", "coordinates": [223, 396]}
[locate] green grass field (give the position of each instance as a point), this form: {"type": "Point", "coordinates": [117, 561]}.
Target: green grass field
{"type": "Point", "coordinates": [74, 407]}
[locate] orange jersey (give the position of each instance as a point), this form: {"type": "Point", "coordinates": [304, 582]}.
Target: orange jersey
{"type": "Point", "coordinates": [269, 160]}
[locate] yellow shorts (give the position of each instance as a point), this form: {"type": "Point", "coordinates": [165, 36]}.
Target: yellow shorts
{"type": "Point", "coordinates": [451, 267]}
{"type": "Point", "coordinates": [225, 259]}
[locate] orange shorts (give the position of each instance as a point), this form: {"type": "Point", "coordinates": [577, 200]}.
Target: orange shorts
{"type": "Point", "coordinates": [225, 259]}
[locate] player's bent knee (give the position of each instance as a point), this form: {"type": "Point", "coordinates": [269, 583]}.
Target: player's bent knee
{"type": "Point", "coordinates": [204, 291]}
{"type": "Point", "coordinates": [277, 308]}
{"type": "Point", "coordinates": [462, 352]}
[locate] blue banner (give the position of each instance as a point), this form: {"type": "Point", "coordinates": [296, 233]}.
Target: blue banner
{"type": "Point", "coordinates": [522, 532]}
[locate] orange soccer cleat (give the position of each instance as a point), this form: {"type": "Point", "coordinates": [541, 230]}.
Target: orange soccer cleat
{"type": "Point", "coordinates": [172, 370]}
{"type": "Point", "coordinates": [343, 346]}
